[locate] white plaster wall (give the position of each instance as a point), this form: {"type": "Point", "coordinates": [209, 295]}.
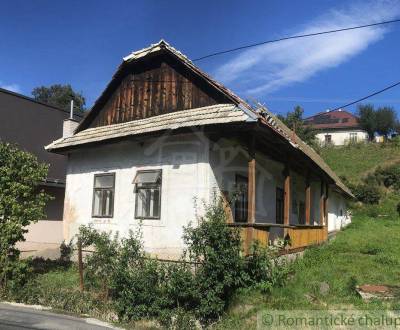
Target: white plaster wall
{"type": "Point", "coordinates": [193, 169]}
{"type": "Point", "coordinates": [337, 202]}
{"type": "Point", "coordinates": [342, 137]}
{"type": "Point", "coordinates": [185, 167]}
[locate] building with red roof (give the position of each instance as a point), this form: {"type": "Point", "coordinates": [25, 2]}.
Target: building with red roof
{"type": "Point", "coordinates": [337, 127]}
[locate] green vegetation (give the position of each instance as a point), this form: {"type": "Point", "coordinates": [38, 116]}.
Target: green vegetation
{"type": "Point", "coordinates": [122, 282]}
{"type": "Point", "coordinates": [60, 96]}
{"type": "Point", "coordinates": [366, 252]}
{"type": "Point", "coordinates": [355, 161]}
{"type": "Point", "coordinates": [21, 203]}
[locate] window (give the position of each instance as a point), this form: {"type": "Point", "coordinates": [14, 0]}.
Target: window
{"type": "Point", "coordinates": [148, 194]}
{"type": "Point", "coordinates": [241, 202]}
{"type": "Point", "coordinates": [103, 195]}
{"type": "Point", "coordinates": [279, 205]}
{"type": "Point", "coordinates": [353, 137]}
{"type": "Point", "coordinates": [328, 139]}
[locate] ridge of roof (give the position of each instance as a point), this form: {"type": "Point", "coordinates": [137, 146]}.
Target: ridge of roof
{"type": "Point", "coordinates": [331, 111]}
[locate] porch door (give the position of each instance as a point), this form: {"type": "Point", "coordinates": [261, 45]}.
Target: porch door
{"type": "Point", "coordinates": [241, 198]}
{"type": "Point", "coordinates": [279, 205]}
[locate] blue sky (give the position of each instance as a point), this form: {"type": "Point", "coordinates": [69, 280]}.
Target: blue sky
{"type": "Point", "coordinates": [82, 42]}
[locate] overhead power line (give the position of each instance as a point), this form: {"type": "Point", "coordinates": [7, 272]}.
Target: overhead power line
{"type": "Point", "coordinates": [368, 96]}
{"type": "Point", "coordinates": [294, 37]}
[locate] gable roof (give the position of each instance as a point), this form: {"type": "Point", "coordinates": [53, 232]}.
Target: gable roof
{"type": "Point", "coordinates": [236, 112]}
{"type": "Point", "coordinates": [338, 119]}
{"type": "Point", "coordinates": [154, 49]}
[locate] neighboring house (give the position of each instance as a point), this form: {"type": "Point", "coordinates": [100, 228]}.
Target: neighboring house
{"type": "Point", "coordinates": [163, 138]}
{"type": "Point", "coordinates": [32, 125]}
{"type": "Point", "coordinates": [337, 127]}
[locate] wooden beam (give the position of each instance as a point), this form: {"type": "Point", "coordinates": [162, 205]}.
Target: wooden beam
{"type": "Point", "coordinates": [308, 200]}
{"type": "Point", "coordinates": [322, 204]}
{"type": "Point", "coordinates": [287, 199]}
{"type": "Point", "coordinates": [326, 204]}
{"type": "Point", "coordinates": [251, 186]}
{"type": "Point", "coordinates": [251, 193]}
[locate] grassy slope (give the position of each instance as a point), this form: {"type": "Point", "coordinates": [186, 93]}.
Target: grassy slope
{"type": "Point", "coordinates": [355, 161]}
{"type": "Point", "coordinates": [366, 252]}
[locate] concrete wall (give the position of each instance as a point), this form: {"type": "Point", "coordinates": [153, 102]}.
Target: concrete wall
{"type": "Point", "coordinates": [46, 235]}
{"type": "Point", "coordinates": [342, 137]}
{"type": "Point", "coordinates": [42, 235]}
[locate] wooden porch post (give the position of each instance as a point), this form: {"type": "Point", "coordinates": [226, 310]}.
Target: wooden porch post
{"type": "Point", "coordinates": [308, 200]}
{"type": "Point", "coordinates": [287, 201]}
{"type": "Point", "coordinates": [326, 200]}
{"type": "Point", "coordinates": [251, 190]}
{"type": "Point", "coordinates": [322, 204]}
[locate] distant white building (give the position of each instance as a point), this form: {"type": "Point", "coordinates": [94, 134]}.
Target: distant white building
{"type": "Point", "coordinates": [337, 127]}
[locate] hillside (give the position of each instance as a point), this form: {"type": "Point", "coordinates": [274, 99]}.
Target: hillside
{"type": "Point", "coordinates": [366, 252]}
{"type": "Point", "coordinates": [354, 162]}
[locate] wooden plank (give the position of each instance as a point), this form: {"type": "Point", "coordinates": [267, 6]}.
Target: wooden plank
{"type": "Point", "coordinates": [251, 191]}
{"type": "Point", "coordinates": [308, 200]}
{"type": "Point", "coordinates": [322, 204]}
{"type": "Point", "coordinates": [251, 185]}
{"type": "Point", "coordinates": [80, 265]}
{"type": "Point", "coordinates": [287, 199]}
{"type": "Point", "coordinates": [158, 87]}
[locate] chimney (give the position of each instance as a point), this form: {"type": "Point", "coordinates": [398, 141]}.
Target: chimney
{"type": "Point", "coordinates": [70, 124]}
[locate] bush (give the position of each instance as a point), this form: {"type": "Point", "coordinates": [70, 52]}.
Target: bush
{"type": "Point", "coordinates": [101, 265]}
{"type": "Point", "coordinates": [368, 194]}
{"type": "Point", "coordinates": [21, 203]}
{"type": "Point", "coordinates": [389, 176]}
{"type": "Point", "coordinates": [216, 250]}
{"type": "Point", "coordinates": [200, 286]}
{"type": "Point", "coordinates": [263, 269]}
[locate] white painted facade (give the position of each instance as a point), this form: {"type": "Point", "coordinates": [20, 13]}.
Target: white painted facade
{"type": "Point", "coordinates": [194, 169]}
{"type": "Point", "coordinates": [338, 214]}
{"type": "Point", "coordinates": [342, 137]}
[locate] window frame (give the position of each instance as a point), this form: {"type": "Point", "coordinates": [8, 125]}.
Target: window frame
{"type": "Point", "coordinates": [353, 137]}
{"type": "Point", "coordinates": [241, 179]}
{"type": "Point", "coordinates": [94, 195]}
{"type": "Point", "coordinates": [148, 186]}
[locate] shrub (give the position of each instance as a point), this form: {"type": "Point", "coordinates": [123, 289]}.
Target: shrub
{"type": "Point", "coordinates": [66, 251]}
{"type": "Point", "coordinates": [389, 176]}
{"type": "Point", "coordinates": [216, 250]}
{"type": "Point", "coordinates": [21, 203]}
{"type": "Point", "coordinates": [101, 265]}
{"type": "Point", "coordinates": [200, 286]}
{"type": "Point", "coordinates": [368, 194]}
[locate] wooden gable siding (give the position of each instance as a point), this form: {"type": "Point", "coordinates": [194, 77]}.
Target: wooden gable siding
{"type": "Point", "coordinates": [158, 87]}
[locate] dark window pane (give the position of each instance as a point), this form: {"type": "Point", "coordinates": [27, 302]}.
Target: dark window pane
{"type": "Point", "coordinates": [104, 181]}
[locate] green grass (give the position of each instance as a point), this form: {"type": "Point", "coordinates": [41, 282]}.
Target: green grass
{"type": "Point", "coordinates": [355, 161]}
{"type": "Point", "coordinates": [366, 252]}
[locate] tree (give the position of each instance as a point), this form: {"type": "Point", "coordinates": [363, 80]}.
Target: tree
{"type": "Point", "coordinates": [59, 96]}
{"type": "Point", "coordinates": [386, 120]}
{"type": "Point", "coordinates": [294, 120]}
{"type": "Point", "coordinates": [367, 119]}
{"type": "Point", "coordinates": [21, 202]}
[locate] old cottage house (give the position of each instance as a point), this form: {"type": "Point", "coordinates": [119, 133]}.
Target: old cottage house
{"type": "Point", "coordinates": [164, 137]}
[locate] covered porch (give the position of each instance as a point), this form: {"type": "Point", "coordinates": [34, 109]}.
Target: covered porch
{"type": "Point", "coordinates": [295, 197]}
